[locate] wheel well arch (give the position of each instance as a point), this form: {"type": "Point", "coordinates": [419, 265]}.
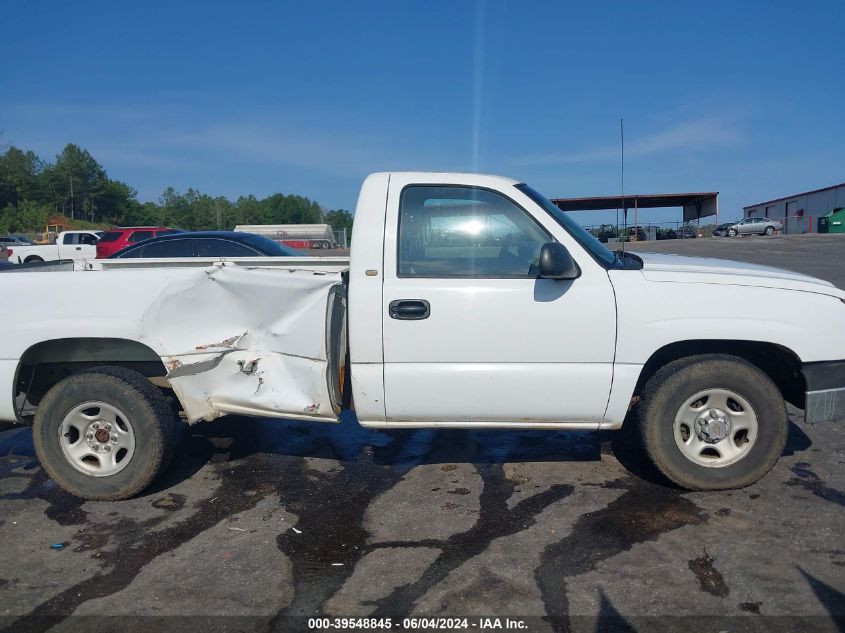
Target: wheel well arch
{"type": "Point", "coordinates": [780, 363]}
{"type": "Point", "coordinates": [45, 363]}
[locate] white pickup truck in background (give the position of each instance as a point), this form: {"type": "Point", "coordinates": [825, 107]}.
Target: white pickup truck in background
{"type": "Point", "coordinates": [469, 301]}
{"type": "Point", "coordinates": [76, 245]}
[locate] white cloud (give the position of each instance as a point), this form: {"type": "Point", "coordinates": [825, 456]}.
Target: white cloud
{"type": "Point", "coordinates": [690, 136]}
{"type": "Point", "coordinates": [151, 136]}
{"type": "Point", "coordinates": [270, 144]}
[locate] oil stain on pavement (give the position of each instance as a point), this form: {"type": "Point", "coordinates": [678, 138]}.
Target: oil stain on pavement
{"type": "Point", "coordinates": [328, 477]}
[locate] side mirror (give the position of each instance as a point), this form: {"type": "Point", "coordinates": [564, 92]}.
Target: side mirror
{"type": "Point", "coordinates": [557, 263]}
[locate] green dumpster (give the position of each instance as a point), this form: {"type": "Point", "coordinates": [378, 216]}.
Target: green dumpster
{"type": "Point", "coordinates": [836, 221]}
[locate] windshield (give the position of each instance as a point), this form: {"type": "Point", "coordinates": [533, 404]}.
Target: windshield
{"type": "Point", "coordinates": [599, 251]}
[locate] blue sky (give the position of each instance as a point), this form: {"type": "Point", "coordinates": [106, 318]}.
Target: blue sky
{"type": "Point", "coordinates": [747, 98]}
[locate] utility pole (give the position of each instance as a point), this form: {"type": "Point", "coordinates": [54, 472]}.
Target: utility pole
{"type": "Point", "coordinates": [71, 195]}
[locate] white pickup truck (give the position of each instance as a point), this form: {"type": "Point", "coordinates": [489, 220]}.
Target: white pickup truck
{"type": "Point", "coordinates": [76, 245]}
{"type": "Point", "coordinates": [469, 301]}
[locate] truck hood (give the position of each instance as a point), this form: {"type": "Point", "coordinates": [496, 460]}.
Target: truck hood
{"type": "Point", "coordinates": [677, 268]}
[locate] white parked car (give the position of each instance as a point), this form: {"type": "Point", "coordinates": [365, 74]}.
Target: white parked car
{"type": "Point", "coordinates": [76, 245]}
{"type": "Point", "coordinates": [469, 301]}
{"type": "Point", "coordinates": [755, 226]}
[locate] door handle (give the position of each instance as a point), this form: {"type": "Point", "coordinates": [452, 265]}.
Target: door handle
{"type": "Point", "coordinates": [79, 248]}
{"type": "Point", "coordinates": [409, 309]}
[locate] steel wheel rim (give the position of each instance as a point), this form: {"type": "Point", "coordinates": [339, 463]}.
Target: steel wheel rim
{"type": "Point", "coordinates": [97, 439]}
{"type": "Point", "coordinates": [715, 428]}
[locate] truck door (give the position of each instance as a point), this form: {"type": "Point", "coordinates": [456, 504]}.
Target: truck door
{"type": "Point", "coordinates": [87, 246]}
{"type": "Point", "coordinates": [77, 246]}
{"type": "Point", "coordinates": [471, 335]}
{"type": "Point", "coordinates": [68, 246]}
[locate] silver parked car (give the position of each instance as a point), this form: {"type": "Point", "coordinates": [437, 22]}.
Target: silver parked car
{"type": "Point", "coordinates": [755, 226]}
{"type": "Point", "coordinates": [14, 240]}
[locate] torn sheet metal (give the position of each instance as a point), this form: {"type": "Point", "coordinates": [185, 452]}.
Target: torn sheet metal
{"type": "Point", "coordinates": [246, 340]}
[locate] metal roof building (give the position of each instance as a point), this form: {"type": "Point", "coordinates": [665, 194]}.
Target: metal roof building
{"type": "Point", "coordinates": [799, 212]}
{"type": "Point", "coordinates": [695, 205]}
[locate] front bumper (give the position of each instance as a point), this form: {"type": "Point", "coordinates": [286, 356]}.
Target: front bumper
{"type": "Point", "coordinates": [825, 391]}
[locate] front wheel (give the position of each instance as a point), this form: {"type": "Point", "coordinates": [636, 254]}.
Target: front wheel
{"type": "Point", "coordinates": [105, 433]}
{"type": "Point", "coordinates": [770, 230]}
{"type": "Point", "coordinates": [732, 233]}
{"type": "Point", "coordinates": [713, 422]}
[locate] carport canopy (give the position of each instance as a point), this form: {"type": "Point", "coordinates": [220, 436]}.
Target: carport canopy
{"type": "Point", "coordinates": [695, 205]}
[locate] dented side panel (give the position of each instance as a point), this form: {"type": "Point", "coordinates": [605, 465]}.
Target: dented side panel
{"type": "Point", "coordinates": [246, 340]}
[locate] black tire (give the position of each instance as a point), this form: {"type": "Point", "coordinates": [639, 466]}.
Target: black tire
{"type": "Point", "coordinates": [670, 387]}
{"type": "Point", "coordinates": [32, 258]}
{"type": "Point", "coordinates": [155, 425]}
{"type": "Point", "coordinates": [770, 230]}
{"type": "Point", "coordinates": [732, 233]}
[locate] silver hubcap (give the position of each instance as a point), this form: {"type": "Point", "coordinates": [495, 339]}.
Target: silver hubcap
{"type": "Point", "coordinates": [97, 439]}
{"type": "Point", "coordinates": [715, 428]}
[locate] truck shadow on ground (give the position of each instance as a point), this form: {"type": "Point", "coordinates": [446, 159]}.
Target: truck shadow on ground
{"type": "Point", "coordinates": [234, 438]}
{"type": "Point", "coordinates": [402, 449]}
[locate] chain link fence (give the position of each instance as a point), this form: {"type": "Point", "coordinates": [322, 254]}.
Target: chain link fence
{"type": "Point", "coordinates": [610, 233]}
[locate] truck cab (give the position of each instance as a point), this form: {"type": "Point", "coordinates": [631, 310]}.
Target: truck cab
{"type": "Point", "coordinates": [448, 268]}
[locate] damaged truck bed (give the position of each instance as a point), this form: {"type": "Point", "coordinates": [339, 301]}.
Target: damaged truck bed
{"type": "Point", "coordinates": [257, 337]}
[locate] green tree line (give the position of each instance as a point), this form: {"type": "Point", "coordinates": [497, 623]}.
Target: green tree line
{"type": "Point", "coordinates": [77, 187]}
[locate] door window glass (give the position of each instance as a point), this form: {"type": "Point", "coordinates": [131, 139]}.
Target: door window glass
{"type": "Point", "coordinates": [169, 248]}
{"type": "Point", "coordinates": [224, 248]}
{"type": "Point", "coordinates": [465, 232]}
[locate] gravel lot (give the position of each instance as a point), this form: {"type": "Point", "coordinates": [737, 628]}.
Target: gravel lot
{"type": "Point", "coordinates": [275, 521]}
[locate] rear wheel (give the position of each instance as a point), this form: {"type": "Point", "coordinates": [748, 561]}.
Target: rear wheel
{"type": "Point", "coordinates": [105, 433]}
{"type": "Point", "coordinates": [32, 258]}
{"type": "Point", "coordinates": [713, 422]}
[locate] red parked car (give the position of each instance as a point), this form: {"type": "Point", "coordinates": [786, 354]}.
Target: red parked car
{"type": "Point", "coordinates": [118, 239]}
